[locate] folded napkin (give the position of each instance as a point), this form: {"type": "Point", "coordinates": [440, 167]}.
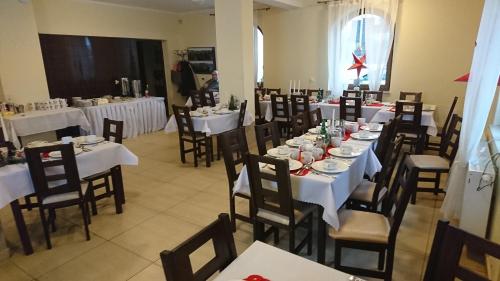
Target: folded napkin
{"type": "Point", "coordinates": [375, 104]}
{"type": "Point", "coordinates": [256, 278]}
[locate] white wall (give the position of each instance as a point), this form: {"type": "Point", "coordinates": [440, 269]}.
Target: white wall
{"type": "Point", "coordinates": [433, 46]}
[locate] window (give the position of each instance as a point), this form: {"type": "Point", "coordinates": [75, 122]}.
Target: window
{"type": "Point", "coordinates": [259, 44]}
{"type": "Point", "coordinates": [357, 27]}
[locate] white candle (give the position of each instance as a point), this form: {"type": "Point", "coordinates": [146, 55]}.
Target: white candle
{"type": "Point", "coordinates": [299, 87]}
{"type": "Point", "coordinates": [4, 130]}
{"type": "Point", "coordinates": [290, 87]}
{"type": "Point", "coordinates": [333, 116]}
{"type": "Point", "coordinates": [293, 89]}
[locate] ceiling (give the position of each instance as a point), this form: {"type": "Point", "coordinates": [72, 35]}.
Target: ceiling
{"type": "Point", "coordinates": [176, 6]}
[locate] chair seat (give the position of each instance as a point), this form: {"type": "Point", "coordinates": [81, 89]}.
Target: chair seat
{"type": "Point", "coordinates": [362, 226]}
{"type": "Point", "coordinates": [430, 162]}
{"type": "Point", "coordinates": [299, 214]}
{"type": "Point", "coordinates": [364, 192]}
{"type": "Point", "coordinates": [56, 198]}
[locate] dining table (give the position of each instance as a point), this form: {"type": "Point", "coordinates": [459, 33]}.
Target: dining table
{"type": "Point", "coordinates": [328, 191]}
{"type": "Point", "coordinates": [213, 123]}
{"type": "Point", "coordinates": [261, 261]}
{"type": "Point", "coordinates": [15, 180]}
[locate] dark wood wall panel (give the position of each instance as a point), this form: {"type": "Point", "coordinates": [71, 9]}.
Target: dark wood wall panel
{"type": "Point", "coordinates": [87, 66]}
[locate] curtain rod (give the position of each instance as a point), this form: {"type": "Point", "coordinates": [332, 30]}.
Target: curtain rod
{"type": "Point", "coordinates": [259, 9]}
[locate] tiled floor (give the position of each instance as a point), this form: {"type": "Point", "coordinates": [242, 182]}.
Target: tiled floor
{"type": "Point", "coordinates": [166, 203]}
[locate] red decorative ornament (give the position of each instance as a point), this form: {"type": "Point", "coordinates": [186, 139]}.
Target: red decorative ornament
{"type": "Point", "coordinates": [256, 278]}
{"type": "Point", "coordinates": [465, 78]}
{"type": "Point", "coordinates": [359, 63]}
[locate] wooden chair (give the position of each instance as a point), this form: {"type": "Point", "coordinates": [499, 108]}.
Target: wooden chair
{"type": "Point", "coordinates": [112, 131]}
{"type": "Point", "coordinates": [241, 116]}
{"type": "Point", "coordinates": [441, 163]}
{"type": "Point", "coordinates": [260, 91]}
{"type": "Point", "coordinates": [265, 133]}
{"type": "Point", "coordinates": [368, 195]}
{"type": "Point", "coordinates": [58, 188]}
{"type": "Point", "coordinates": [276, 207]}
{"type": "Point", "coordinates": [270, 91]}
{"type": "Point", "coordinates": [351, 94]}
{"type": "Point", "coordinates": [259, 118]}
{"type": "Point", "coordinates": [374, 95]}
{"type": "Point", "coordinates": [376, 232]}
{"type": "Point", "coordinates": [281, 113]}
{"type": "Point", "coordinates": [312, 92]}
{"type": "Point", "coordinates": [209, 99]}
{"type": "Point", "coordinates": [177, 263]}
{"type": "Point", "coordinates": [350, 109]}
{"type": "Point", "coordinates": [387, 135]}
{"type": "Point", "coordinates": [189, 135]}
{"type": "Point", "coordinates": [442, 130]}
{"type": "Point", "coordinates": [411, 96]}
{"type": "Point", "coordinates": [315, 118]}
{"type": "Point", "coordinates": [300, 124]}
{"type": "Point", "coordinates": [235, 149]}
{"type": "Point", "coordinates": [197, 99]}
{"type": "Point", "coordinates": [300, 103]}
{"type": "Point", "coordinates": [410, 124]}
{"type": "Point", "coordinates": [444, 259]}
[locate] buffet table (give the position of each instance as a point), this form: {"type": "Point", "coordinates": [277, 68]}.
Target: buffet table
{"type": "Point", "coordinates": [140, 116]}
{"type": "Point", "coordinates": [35, 122]}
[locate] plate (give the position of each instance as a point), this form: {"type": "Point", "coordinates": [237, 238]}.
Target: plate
{"type": "Point", "coordinates": [319, 166]}
{"type": "Point", "coordinates": [83, 140]}
{"type": "Point", "coordinates": [378, 129]}
{"type": "Point", "coordinates": [223, 112]}
{"type": "Point", "coordinates": [313, 131]}
{"type": "Point", "coordinates": [337, 152]}
{"type": "Point", "coordinates": [275, 153]}
{"type": "Point", "coordinates": [57, 154]}
{"type": "Point", "coordinates": [291, 143]}
{"type": "Point", "coordinates": [368, 137]}
{"type": "Point", "coordinates": [292, 165]}
{"type": "Point", "coordinates": [38, 144]}
{"type": "Point", "coordinates": [196, 114]}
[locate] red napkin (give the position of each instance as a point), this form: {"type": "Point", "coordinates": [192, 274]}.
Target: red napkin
{"type": "Point", "coordinates": [256, 278]}
{"type": "Point", "coordinates": [347, 136]}
{"type": "Point", "coordinates": [333, 102]}
{"type": "Point", "coordinates": [375, 104]}
{"type": "Point", "coordinates": [302, 173]}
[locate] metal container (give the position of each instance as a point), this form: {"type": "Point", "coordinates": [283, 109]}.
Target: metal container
{"type": "Point", "coordinates": [136, 88]}
{"type": "Point", "coordinates": [125, 87]}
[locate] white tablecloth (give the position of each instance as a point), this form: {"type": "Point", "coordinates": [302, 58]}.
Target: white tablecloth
{"type": "Point", "coordinates": [327, 110]}
{"type": "Point", "coordinates": [35, 122]}
{"type": "Point", "coordinates": [140, 116]}
{"type": "Point", "coordinates": [15, 180]}
{"type": "Point", "coordinates": [213, 124]}
{"type": "Point", "coordinates": [330, 193]}
{"type": "Point", "coordinates": [385, 115]}
{"type": "Point", "coordinates": [275, 264]}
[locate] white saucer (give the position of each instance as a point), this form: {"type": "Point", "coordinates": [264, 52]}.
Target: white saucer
{"type": "Point", "coordinates": [368, 137]}
{"type": "Point", "coordinates": [274, 152]}
{"type": "Point", "coordinates": [339, 168]}
{"type": "Point", "coordinates": [83, 140]}
{"type": "Point", "coordinates": [292, 165]}
{"type": "Point", "coordinates": [57, 154]}
{"type": "Point", "coordinates": [292, 143]}
{"type": "Point", "coordinates": [336, 151]}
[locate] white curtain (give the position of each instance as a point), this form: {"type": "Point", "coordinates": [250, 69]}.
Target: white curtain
{"type": "Point", "coordinates": [340, 43]}
{"type": "Point", "coordinates": [379, 35]}
{"type": "Point", "coordinates": [480, 93]}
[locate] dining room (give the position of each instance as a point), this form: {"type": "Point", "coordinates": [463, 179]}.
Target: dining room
{"type": "Point", "coordinates": [257, 140]}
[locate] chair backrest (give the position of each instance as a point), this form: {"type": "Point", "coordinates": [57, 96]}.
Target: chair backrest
{"type": "Point", "coordinates": [299, 92]}
{"type": "Point", "coordinates": [448, 117]}
{"type": "Point", "coordinates": [402, 188]}
{"type": "Point", "coordinates": [315, 118]}
{"type": "Point", "coordinates": [184, 121]}
{"type": "Point", "coordinates": [209, 99]}
{"type": "Point", "coordinates": [350, 108]}
{"type": "Point", "coordinates": [300, 124]}
{"type": "Point", "coordinates": [393, 126]}
{"type": "Point", "coordinates": [241, 116]}
{"type": "Point", "coordinates": [411, 96]}
{"type": "Point", "coordinates": [270, 91]}
{"type": "Point", "coordinates": [260, 91]}
{"type": "Point", "coordinates": [177, 264]}
{"type": "Point", "coordinates": [258, 113]}
{"type": "Point", "coordinates": [265, 133]}
{"type": "Point", "coordinates": [300, 103]}
{"type": "Point", "coordinates": [411, 114]}
{"type": "Point", "coordinates": [351, 94]}
{"type": "Point", "coordinates": [197, 98]}
{"type": "Point", "coordinates": [279, 177]}
{"type": "Point", "coordinates": [234, 150]}
{"type": "Point", "coordinates": [53, 176]}
{"type": "Point", "coordinates": [279, 106]}
{"type": "Point", "coordinates": [374, 95]}
{"type": "Point", "coordinates": [312, 92]}
{"type": "Point", "coordinates": [113, 130]}
{"type": "Point", "coordinates": [387, 135]}
{"type": "Point", "coordinates": [449, 142]}
{"type": "Point", "coordinates": [444, 259]}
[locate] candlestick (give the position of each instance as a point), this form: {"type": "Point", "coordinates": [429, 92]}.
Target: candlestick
{"type": "Point", "coordinates": [299, 87]}
{"type": "Point", "coordinates": [4, 129]}
{"type": "Point", "coordinates": [290, 87]}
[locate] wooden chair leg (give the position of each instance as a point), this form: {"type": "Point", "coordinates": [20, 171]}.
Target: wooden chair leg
{"type": "Point", "coordinates": [208, 151]}
{"type": "Point", "coordinates": [195, 153]}
{"type": "Point", "coordinates": [182, 148]}
{"type": "Point", "coordinates": [85, 215]}
{"type": "Point", "coordinates": [52, 219]}
{"type": "Point", "coordinates": [291, 240]}
{"type": "Point", "coordinates": [219, 147]}
{"type": "Point", "coordinates": [338, 255]}
{"type": "Point", "coordinates": [437, 182]}
{"type": "Point", "coordinates": [45, 226]}
{"type": "Point", "coordinates": [310, 238]}
{"type": "Point", "coordinates": [107, 185]}
{"type": "Point", "coordinates": [93, 203]}
{"type": "Point", "coordinates": [381, 260]}
{"type": "Point", "coordinates": [389, 265]}
{"type": "Point", "coordinates": [258, 231]}
{"type": "Point", "coordinates": [232, 212]}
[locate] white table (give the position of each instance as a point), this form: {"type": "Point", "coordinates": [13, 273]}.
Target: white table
{"type": "Point", "coordinates": [213, 124]}
{"type": "Point", "coordinates": [15, 180]}
{"type": "Point", "coordinates": [35, 122]}
{"type": "Point", "coordinates": [139, 116]}
{"type": "Point", "coordinates": [329, 192]}
{"type": "Point", "coordinates": [277, 265]}
{"type": "Point", "coordinates": [385, 115]}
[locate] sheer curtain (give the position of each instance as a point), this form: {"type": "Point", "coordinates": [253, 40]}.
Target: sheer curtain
{"type": "Point", "coordinates": [480, 93]}
{"type": "Point", "coordinates": [379, 35]}
{"type": "Point", "coordinates": [340, 42]}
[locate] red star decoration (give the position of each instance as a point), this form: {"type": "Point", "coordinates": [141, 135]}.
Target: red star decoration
{"type": "Point", "coordinates": [359, 63]}
{"type": "Point", "coordinates": [465, 78]}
